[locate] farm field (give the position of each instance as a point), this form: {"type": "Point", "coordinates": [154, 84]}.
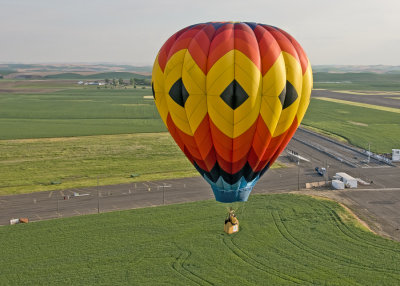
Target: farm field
{"type": "Point", "coordinates": [32, 164]}
{"type": "Point", "coordinates": [357, 81]}
{"type": "Point", "coordinates": [77, 112]}
{"type": "Point", "coordinates": [284, 240]}
{"type": "Point", "coordinates": [77, 117]}
{"type": "Point", "coordinates": [358, 125]}
{"type": "Point", "coordinates": [360, 104]}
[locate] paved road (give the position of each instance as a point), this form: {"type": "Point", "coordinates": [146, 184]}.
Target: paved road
{"type": "Point", "coordinates": [342, 152]}
{"type": "Point", "coordinates": [53, 204]}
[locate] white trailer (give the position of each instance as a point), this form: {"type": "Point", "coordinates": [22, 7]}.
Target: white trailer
{"type": "Point", "coordinates": [348, 180]}
{"type": "Point", "coordinates": [396, 155]}
{"type": "Point", "coordinates": [337, 185]}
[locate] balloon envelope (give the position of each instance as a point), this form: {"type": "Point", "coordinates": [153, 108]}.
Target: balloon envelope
{"type": "Point", "coordinates": [232, 95]}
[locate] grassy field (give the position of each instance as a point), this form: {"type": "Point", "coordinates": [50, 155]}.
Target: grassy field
{"type": "Point", "coordinates": [77, 112]}
{"type": "Point", "coordinates": [57, 108]}
{"type": "Point", "coordinates": [32, 164]}
{"type": "Point", "coordinates": [357, 81]}
{"type": "Point", "coordinates": [284, 240]}
{"type": "Point", "coordinates": [359, 125]}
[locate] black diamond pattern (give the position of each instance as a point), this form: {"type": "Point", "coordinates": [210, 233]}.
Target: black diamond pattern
{"type": "Point", "coordinates": [234, 95]}
{"type": "Point", "coordinates": [152, 89]}
{"type": "Point", "coordinates": [179, 93]}
{"type": "Point", "coordinates": [288, 95]}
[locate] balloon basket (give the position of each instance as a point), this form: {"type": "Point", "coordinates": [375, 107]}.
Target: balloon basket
{"type": "Point", "coordinates": [230, 228]}
{"type": "Point", "coordinates": [231, 223]}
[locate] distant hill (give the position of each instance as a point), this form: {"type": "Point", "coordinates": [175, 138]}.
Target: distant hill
{"type": "Point", "coordinates": [357, 81]}
{"type": "Point", "coordinates": [48, 69]}
{"type": "Point", "coordinates": [6, 72]}
{"type": "Point", "coordinates": [356, 69]}
{"type": "Point", "coordinates": [98, 76]}
{"type": "Point", "coordinates": [356, 77]}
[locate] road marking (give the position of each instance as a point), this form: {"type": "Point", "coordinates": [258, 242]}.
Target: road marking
{"type": "Point", "coordinates": [75, 211]}
{"type": "Point", "coordinates": [154, 184]}
{"type": "Point", "coordinates": [62, 193]}
{"type": "Point", "coordinates": [115, 207]}
{"type": "Point", "coordinates": [50, 194]}
{"type": "Point", "coordinates": [38, 216]}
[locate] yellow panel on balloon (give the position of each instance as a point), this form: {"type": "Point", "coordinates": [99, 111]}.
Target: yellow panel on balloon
{"type": "Point", "coordinates": [294, 80]}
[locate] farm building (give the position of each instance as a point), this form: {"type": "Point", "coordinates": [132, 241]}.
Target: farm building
{"type": "Point", "coordinates": [348, 180]}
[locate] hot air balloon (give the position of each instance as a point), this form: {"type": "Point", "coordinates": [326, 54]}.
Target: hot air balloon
{"type": "Point", "coordinates": [232, 95]}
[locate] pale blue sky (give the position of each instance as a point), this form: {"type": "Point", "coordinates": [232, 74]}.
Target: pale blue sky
{"type": "Point", "coordinates": [131, 32]}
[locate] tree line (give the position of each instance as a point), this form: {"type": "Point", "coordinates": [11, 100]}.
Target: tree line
{"type": "Point", "coordinates": [132, 81]}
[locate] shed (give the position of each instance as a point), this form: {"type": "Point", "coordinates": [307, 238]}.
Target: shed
{"type": "Point", "coordinates": [337, 185]}
{"type": "Point", "coordinates": [348, 180]}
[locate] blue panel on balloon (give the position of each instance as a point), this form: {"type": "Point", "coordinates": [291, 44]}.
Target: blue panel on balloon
{"type": "Point", "coordinates": [226, 193]}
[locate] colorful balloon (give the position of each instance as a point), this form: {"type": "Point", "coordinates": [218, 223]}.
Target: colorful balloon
{"type": "Point", "coordinates": [232, 95]}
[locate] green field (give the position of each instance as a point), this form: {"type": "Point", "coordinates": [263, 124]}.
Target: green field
{"type": "Point", "coordinates": [32, 164]}
{"type": "Point", "coordinates": [56, 108]}
{"type": "Point", "coordinates": [357, 81]}
{"type": "Point", "coordinates": [77, 112]}
{"type": "Point", "coordinates": [284, 240]}
{"type": "Point", "coordinates": [359, 125]}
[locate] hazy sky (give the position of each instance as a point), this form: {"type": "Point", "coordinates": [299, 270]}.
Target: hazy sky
{"type": "Point", "coordinates": [131, 32]}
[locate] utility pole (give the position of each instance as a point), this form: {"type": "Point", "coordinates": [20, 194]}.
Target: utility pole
{"type": "Point", "coordinates": [369, 151]}
{"type": "Point", "coordinates": [98, 196]}
{"type": "Point", "coordinates": [326, 172]}
{"type": "Point", "coordinates": [163, 194]}
{"type": "Point", "coordinates": [298, 175]}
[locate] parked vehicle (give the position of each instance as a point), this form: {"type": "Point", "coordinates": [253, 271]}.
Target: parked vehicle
{"type": "Point", "coordinates": [321, 171]}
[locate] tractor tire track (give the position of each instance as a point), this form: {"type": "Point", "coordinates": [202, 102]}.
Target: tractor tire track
{"type": "Point", "coordinates": [292, 257]}
{"type": "Point", "coordinates": [303, 247]}
{"type": "Point", "coordinates": [343, 260]}
{"type": "Point", "coordinates": [179, 266]}
{"type": "Point", "coordinates": [243, 256]}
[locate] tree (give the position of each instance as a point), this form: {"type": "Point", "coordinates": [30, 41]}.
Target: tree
{"type": "Point", "coordinates": [107, 81]}
{"type": "Point", "coordinates": [132, 81]}
{"type": "Point", "coordinates": [114, 82]}
{"type": "Point", "coordinates": [121, 81]}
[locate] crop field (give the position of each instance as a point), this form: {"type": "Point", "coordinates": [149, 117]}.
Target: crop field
{"type": "Point", "coordinates": [357, 81]}
{"type": "Point", "coordinates": [366, 105]}
{"type": "Point", "coordinates": [30, 165]}
{"type": "Point", "coordinates": [359, 125]}
{"type": "Point", "coordinates": [33, 164]}
{"type": "Point", "coordinates": [283, 240]}
{"type": "Point", "coordinates": [77, 112]}
{"type": "Point", "coordinates": [70, 121]}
